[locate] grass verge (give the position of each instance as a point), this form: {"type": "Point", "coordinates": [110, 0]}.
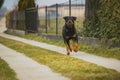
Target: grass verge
{"type": "Point", "coordinates": [73, 68]}
{"type": "Point", "coordinates": [6, 73]}
{"type": "Point", "coordinates": [96, 50]}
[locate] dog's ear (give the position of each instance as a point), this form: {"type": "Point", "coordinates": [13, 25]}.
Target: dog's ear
{"type": "Point", "coordinates": [70, 17]}
{"type": "Point", "coordinates": [74, 18]}
{"type": "Point", "coordinates": [65, 18]}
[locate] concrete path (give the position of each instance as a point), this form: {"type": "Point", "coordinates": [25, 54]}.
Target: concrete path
{"type": "Point", "coordinates": [105, 62]}
{"type": "Point", "coordinates": [26, 68]}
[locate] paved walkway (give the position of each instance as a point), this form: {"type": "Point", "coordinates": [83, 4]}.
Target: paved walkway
{"type": "Point", "coordinates": [105, 62]}
{"type": "Point", "coordinates": [26, 68]}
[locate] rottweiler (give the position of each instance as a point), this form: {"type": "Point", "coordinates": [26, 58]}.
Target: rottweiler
{"type": "Point", "coordinates": [69, 33]}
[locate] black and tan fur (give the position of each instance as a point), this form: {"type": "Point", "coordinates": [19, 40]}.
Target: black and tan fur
{"type": "Point", "coordinates": [69, 33]}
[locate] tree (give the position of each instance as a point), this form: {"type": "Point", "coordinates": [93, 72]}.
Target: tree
{"type": "Point", "coordinates": [91, 18]}
{"type": "Point", "coordinates": [24, 4]}
{"type": "Point", "coordinates": [102, 19]}
{"type": "Point", "coordinates": [109, 17]}
{"type": "Point", "coordinates": [1, 3]}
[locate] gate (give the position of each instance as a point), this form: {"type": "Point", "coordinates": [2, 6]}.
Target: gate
{"type": "Point", "coordinates": [31, 20]}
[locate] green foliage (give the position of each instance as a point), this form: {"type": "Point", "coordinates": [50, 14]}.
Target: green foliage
{"type": "Point", "coordinates": [7, 16]}
{"type": "Point", "coordinates": [91, 18]}
{"type": "Point", "coordinates": [1, 3]}
{"type": "Point", "coordinates": [104, 21]}
{"type": "Point", "coordinates": [109, 16]}
{"type": "Point", "coordinates": [8, 19]}
{"type": "Point", "coordinates": [61, 22]}
{"type": "Point", "coordinates": [20, 24]}
{"type": "Point", "coordinates": [24, 4]}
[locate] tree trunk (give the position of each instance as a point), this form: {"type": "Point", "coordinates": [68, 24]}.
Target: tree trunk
{"type": "Point", "coordinates": [1, 3]}
{"type": "Point", "coordinates": [91, 19]}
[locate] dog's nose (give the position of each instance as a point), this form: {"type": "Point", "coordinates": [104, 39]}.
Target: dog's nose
{"type": "Point", "coordinates": [69, 21]}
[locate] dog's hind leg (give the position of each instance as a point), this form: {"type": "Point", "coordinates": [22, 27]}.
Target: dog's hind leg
{"type": "Point", "coordinates": [75, 45]}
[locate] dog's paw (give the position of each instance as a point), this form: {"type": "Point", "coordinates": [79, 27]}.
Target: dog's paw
{"type": "Point", "coordinates": [68, 53]}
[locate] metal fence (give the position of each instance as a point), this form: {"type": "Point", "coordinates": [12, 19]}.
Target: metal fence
{"type": "Point", "coordinates": [31, 20]}
{"type": "Point", "coordinates": [51, 17]}
{"type": "Point", "coordinates": [23, 20]}
{"type": "Point", "coordinates": [49, 20]}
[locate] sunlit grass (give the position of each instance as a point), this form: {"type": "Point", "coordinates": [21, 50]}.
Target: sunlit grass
{"type": "Point", "coordinates": [101, 51]}
{"type": "Point", "coordinates": [52, 25]}
{"type": "Point", "coordinates": [96, 50]}
{"type": "Point", "coordinates": [6, 73]}
{"type": "Point", "coordinates": [44, 39]}
{"type": "Point", "coordinates": [70, 67]}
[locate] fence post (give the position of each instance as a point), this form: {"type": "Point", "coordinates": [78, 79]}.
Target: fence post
{"type": "Point", "coordinates": [69, 7]}
{"type": "Point", "coordinates": [38, 23]}
{"type": "Point", "coordinates": [56, 19]}
{"type": "Point", "coordinates": [46, 18]}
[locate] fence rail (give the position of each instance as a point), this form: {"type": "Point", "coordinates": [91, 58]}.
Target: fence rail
{"type": "Point", "coordinates": [49, 19]}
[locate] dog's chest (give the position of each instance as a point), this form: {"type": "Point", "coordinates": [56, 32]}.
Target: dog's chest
{"type": "Point", "coordinates": [70, 31]}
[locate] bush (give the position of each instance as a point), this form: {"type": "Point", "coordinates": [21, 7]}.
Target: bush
{"type": "Point", "coordinates": [109, 17]}
{"type": "Point", "coordinates": [104, 21]}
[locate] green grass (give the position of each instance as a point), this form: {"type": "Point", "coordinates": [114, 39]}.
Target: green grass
{"type": "Point", "coordinates": [43, 39]}
{"type": "Point", "coordinates": [73, 68]}
{"type": "Point", "coordinates": [61, 22]}
{"type": "Point", "coordinates": [101, 51]}
{"type": "Point", "coordinates": [96, 50]}
{"type": "Point", "coordinates": [6, 73]}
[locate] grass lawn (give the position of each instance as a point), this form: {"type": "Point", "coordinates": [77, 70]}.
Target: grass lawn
{"type": "Point", "coordinates": [73, 68]}
{"type": "Point", "coordinates": [98, 50]}
{"type": "Point", "coordinates": [6, 73]}
{"type": "Point", "coordinates": [61, 22]}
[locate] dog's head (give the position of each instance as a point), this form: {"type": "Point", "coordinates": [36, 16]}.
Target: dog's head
{"type": "Point", "coordinates": [69, 21]}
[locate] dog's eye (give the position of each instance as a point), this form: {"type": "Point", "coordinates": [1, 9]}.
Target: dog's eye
{"type": "Point", "coordinates": [66, 19]}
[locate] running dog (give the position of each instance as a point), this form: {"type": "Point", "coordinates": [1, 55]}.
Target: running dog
{"type": "Point", "coordinates": [69, 33]}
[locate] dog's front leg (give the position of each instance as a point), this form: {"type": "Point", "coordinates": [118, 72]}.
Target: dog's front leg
{"type": "Point", "coordinates": [68, 47]}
